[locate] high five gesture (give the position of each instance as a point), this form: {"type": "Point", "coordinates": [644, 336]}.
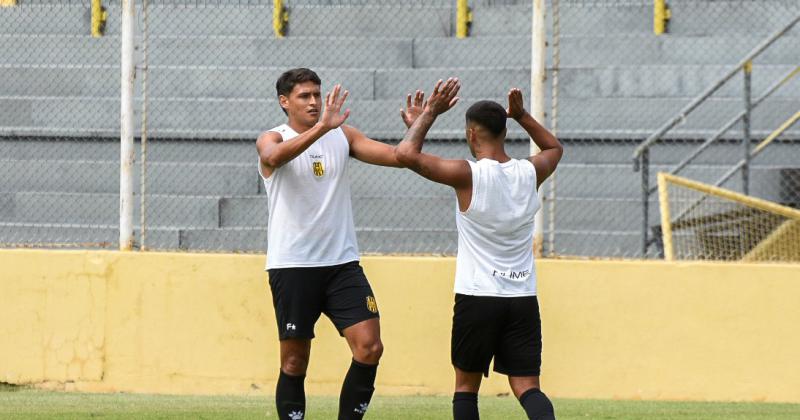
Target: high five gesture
{"type": "Point", "coordinates": [331, 116]}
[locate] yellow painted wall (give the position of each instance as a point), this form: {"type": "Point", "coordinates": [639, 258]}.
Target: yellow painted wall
{"type": "Point", "coordinates": [204, 323]}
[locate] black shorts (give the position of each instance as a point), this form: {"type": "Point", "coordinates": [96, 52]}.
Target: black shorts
{"type": "Point", "coordinates": [301, 294]}
{"type": "Point", "coordinates": [506, 328]}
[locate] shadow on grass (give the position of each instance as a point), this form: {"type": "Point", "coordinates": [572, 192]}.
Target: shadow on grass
{"type": "Point", "coordinates": [7, 387]}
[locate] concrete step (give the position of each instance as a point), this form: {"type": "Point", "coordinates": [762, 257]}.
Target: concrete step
{"type": "Point", "coordinates": [372, 21]}
{"type": "Point", "coordinates": [475, 82]}
{"type": "Point", "coordinates": [79, 236]}
{"type": "Point", "coordinates": [242, 118]}
{"type": "Point", "coordinates": [668, 81]}
{"type": "Point", "coordinates": [218, 51]}
{"type": "Point", "coordinates": [442, 241]}
{"type": "Point", "coordinates": [609, 50]}
{"type": "Point", "coordinates": [246, 211]}
{"type": "Point", "coordinates": [672, 49]}
{"type": "Point", "coordinates": [202, 151]}
{"type": "Point", "coordinates": [201, 118]}
{"type": "Point", "coordinates": [103, 209]}
{"type": "Point", "coordinates": [158, 150]}
{"type": "Point", "coordinates": [600, 214]}
{"type": "Point", "coordinates": [394, 53]}
{"type": "Point", "coordinates": [598, 244]}
{"type": "Point", "coordinates": [174, 82]}
{"type": "Point", "coordinates": [103, 177]}
{"type": "Point", "coordinates": [640, 117]}
{"type": "Point", "coordinates": [619, 181]}
{"type": "Point", "coordinates": [369, 240]}
{"type": "Point", "coordinates": [671, 152]}
{"type": "Point", "coordinates": [689, 17]}
{"type": "Point", "coordinates": [665, 81]}
{"type": "Point", "coordinates": [390, 211]}
{"type": "Point", "coordinates": [373, 181]}
{"type": "Point", "coordinates": [247, 240]}
{"type": "Point", "coordinates": [53, 18]}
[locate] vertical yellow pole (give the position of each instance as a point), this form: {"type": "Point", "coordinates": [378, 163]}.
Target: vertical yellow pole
{"type": "Point", "coordinates": [661, 14]}
{"type": "Point", "coordinates": [463, 18]}
{"type": "Point", "coordinates": [666, 226]}
{"type": "Point", "coordinates": [8, 3]}
{"type": "Point", "coordinates": [98, 18]}
{"type": "Point", "coordinates": [279, 18]}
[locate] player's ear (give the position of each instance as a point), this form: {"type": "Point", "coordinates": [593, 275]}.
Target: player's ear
{"type": "Point", "coordinates": [471, 134]}
{"type": "Point", "coordinates": [283, 100]}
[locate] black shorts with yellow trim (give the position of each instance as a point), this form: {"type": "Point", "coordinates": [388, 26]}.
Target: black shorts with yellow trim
{"type": "Point", "coordinates": [301, 294]}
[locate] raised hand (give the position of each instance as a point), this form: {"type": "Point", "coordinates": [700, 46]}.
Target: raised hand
{"type": "Point", "coordinates": [414, 110]}
{"type": "Point", "coordinates": [444, 96]}
{"type": "Point", "coordinates": [515, 107]}
{"type": "Point", "coordinates": [331, 116]}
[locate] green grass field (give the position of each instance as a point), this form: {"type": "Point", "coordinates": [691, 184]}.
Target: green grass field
{"type": "Point", "coordinates": [22, 403]}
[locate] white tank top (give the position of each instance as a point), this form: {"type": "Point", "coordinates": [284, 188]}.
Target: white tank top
{"type": "Point", "coordinates": [310, 215]}
{"type": "Point", "coordinates": [495, 234]}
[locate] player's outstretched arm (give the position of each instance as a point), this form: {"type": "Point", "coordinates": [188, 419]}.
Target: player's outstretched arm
{"type": "Point", "coordinates": [370, 151]}
{"type": "Point", "coordinates": [274, 153]}
{"type": "Point", "coordinates": [455, 173]}
{"type": "Point", "coordinates": [547, 159]}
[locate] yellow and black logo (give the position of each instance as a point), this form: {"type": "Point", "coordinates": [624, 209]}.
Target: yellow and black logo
{"type": "Point", "coordinates": [319, 170]}
{"type": "Point", "coordinates": [372, 305]}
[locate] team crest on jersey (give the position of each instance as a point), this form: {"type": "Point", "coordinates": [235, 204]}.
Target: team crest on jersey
{"type": "Point", "coordinates": [318, 168]}
{"type": "Point", "coordinates": [372, 305]}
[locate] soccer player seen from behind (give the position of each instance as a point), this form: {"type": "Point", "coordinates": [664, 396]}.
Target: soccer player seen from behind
{"type": "Point", "coordinates": [496, 312]}
{"type": "Point", "coordinates": [313, 260]}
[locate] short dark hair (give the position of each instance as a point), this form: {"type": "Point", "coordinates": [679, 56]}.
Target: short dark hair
{"type": "Point", "coordinates": [289, 78]}
{"type": "Point", "coordinates": [488, 114]}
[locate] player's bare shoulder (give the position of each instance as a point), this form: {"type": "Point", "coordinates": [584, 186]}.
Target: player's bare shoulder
{"type": "Point", "coordinates": [268, 137]}
{"type": "Point", "coordinates": [265, 146]}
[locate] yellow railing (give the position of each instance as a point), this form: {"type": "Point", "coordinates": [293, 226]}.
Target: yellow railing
{"type": "Point", "coordinates": [661, 15]}
{"type": "Point", "coordinates": [99, 16]}
{"type": "Point", "coordinates": [8, 3]}
{"type": "Point", "coordinates": [789, 225]}
{"type": "Point", "coordinates": [280, 17]}
{"type": "Point", "coordinates": [463, 18]}
{"type": "Point", "coordinates": [778, 131]}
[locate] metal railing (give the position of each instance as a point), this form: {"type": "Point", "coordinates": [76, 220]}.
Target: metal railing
{"type": "Point", "coordinates": [641, 155]}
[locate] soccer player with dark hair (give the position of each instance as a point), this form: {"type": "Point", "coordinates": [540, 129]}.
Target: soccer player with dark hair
{"type": "Point", "coordinates": [313, 260]}
{"type": "Point", "coordinates": [496, 312]}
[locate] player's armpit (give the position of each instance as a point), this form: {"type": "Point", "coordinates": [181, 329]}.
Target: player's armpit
{"type": "Point", "coordinates": [545, 163]}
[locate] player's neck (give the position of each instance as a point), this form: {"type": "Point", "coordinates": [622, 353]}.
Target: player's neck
{"type": "Point", "coordinates": [498, 154]}
{"type": "Point", "coordinates": [297, 126]}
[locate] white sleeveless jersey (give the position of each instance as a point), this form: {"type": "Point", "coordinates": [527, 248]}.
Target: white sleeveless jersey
{"type": "Point", "coordinates": [495, 234]}
{"type": "Point", "coordinates": [310, 214]}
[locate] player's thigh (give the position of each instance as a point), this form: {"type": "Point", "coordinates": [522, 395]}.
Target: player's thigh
{"type": "Point", "coordinates": [519, 351]}
{"type": "Point", "coordinates": [298, 296]}
{"type": "Point", "coordinates": [364, 339]}
{"type": "Point", "coordinates": [349, 299]}
{"type": "Point", "coordinates": [474, 335]}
